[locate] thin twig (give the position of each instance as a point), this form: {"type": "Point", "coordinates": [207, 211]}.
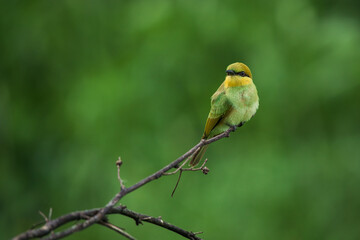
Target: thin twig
{"type": "Point", "coordinates": [201, 168]}
{"type": "Point", "coordinates": [179, 168]}
{"type": "Point", "coordinates": [47, 219]}
{"type": "Point", "coordinates": [44, 216]}
{"type": "Point", "coordinates": [117, 229]}
{"type": "Point", "coordinates": [103, 211]}
{"type": "Point", "coordinates": [113, 227]}
{"type": "Point", "coordinates": [118, 165]}
{"type": "Point", "coordinates": [177, 183]}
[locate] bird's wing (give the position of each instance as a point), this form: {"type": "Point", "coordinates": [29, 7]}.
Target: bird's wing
{"type": "Point", "coordinates": [220, 106]}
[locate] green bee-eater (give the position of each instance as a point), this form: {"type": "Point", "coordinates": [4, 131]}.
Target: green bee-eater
{"type": "Point", "coordinates": [234, 103]}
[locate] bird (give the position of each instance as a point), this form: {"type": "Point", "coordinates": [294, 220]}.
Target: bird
{"type": "Point", "coordinates": [234, 103]}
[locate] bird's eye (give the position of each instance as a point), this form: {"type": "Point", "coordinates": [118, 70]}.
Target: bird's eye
{"type": "Point", "coordinates": [242, 73]}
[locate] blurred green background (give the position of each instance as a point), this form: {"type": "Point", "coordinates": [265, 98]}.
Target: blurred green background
{"type": "Point", "coordinates": [83, 82]}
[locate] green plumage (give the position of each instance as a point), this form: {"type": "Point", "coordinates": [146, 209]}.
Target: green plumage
{"type": "Point", "coordinates": [235, 101]}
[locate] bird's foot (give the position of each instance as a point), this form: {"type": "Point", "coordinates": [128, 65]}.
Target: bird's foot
{"type": "Point", "coordinates": [241, 124]}
{"type": "Point", "coordinates": [232, 128]}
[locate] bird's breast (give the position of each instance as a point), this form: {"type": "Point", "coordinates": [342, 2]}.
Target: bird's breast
{"type": "Point", "coordinates": [244, 100]}
{"type": "Point", "coordinates": [238, 96]}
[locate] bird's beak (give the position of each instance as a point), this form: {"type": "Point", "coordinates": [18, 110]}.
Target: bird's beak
{"type": "Point", "coordinates": [230, 72]}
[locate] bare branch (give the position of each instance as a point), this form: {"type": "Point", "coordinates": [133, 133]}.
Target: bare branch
{"type": "Point", "coordinates": [100, 213]}
{"type": "Point", "coordinates": [86, 214]}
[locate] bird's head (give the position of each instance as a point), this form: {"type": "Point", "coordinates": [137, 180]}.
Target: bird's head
{"type": "Point", "coordinates": [237, 74]}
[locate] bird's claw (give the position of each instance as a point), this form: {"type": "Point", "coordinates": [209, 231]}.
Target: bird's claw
{"type": "Point", "coordinates": [240, 124]}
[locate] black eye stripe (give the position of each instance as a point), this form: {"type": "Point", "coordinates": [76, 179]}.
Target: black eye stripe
{"type": "Point", "coordinates": [242, 73]}
{"type": "Point", "coordinates": [232, 72]}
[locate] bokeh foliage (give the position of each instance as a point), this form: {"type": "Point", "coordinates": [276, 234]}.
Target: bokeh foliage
{"type": "Point", "coordinates": [82, 82]}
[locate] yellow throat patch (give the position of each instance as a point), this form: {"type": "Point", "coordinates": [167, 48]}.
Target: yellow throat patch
{"type": "Point", "coordinates": [237, 81]}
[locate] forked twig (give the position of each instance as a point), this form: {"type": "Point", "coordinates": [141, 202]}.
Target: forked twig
{"type": "Point", "coordinates": [113, 227]}
{"type": "Point", "coordinates": [178, 169]}
{"type": "Point", "coordinates": [202, 168]}
{"type": "Point", "coordinates": [100, 213]}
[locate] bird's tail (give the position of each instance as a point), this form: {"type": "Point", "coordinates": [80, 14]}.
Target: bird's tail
{"type": "Point", "coordinates": [198, 155]}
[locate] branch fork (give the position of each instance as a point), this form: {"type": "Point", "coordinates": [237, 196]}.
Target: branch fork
{"type": "Point", "coordinates": [97, 215]}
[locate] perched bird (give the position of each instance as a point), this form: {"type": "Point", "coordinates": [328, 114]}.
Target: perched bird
{"type": "Point", "coordinates": [233, 104]}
